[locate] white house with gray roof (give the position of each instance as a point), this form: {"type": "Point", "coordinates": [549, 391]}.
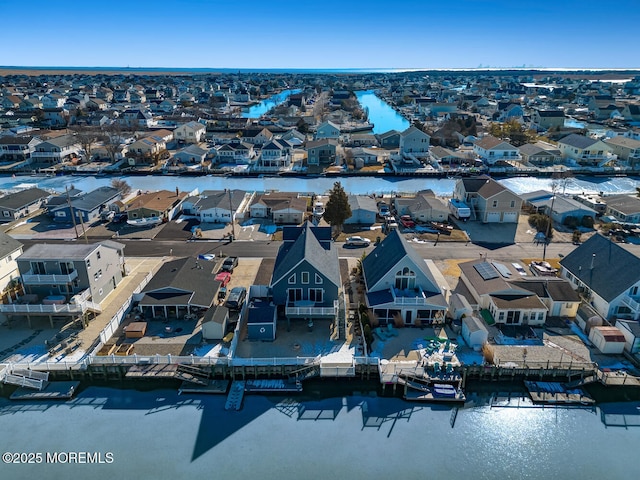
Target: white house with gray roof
{"type": "Point", "coordinates": [58, 149]}
{"type": "Point", "coordinates": [10, 250]}
{"type": "Point", "coordinates": [624, 208]}
{"type": "Point", "coordinates": [363, 210]}
{"type": "Point", "coordinates": [20, 204]}
{"type": "Point", "coordinates": [215, 206]}
{"type": "Point", "coordinates": [607, 274]}
{"type": "Point", "coordinates": [584, 150]}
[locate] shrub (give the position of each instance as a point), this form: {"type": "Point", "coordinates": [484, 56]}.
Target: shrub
{"type": "Point", "coordinates": [368, 336]}
{"type": "Point", "coordinates": [571, 222]}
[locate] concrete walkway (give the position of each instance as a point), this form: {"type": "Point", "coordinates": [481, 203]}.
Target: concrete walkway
{"type": "Point", "coordinates": [139, 268]}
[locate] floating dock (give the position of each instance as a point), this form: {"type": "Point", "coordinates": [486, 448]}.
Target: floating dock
{"type": "Point", "coordinates": [236, 394]}
{"type": "Point", "coordinates": [274, 385]}
{"type": "Point", "coordinates": [554, 393]}
{"type": "Point", "coordinates": [51, 391]}
{"type": "Point", "coordinates": [215, 387]}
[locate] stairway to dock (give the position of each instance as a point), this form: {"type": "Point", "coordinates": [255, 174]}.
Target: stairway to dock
{"type": "Point", "coordinates": [236, 394]}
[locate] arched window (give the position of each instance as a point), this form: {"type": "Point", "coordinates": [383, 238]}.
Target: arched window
{"type": "Point", "coordinates": [405, 279]}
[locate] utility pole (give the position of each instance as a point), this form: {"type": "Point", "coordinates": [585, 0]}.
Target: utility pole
{"type": "Point", "coordinates": [73, 217]}
{"type": "Point", "coordinates": [233, 228]}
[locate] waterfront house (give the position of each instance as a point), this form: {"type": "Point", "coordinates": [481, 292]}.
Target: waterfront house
{"type": "Point", "coordinates": [584, 150]}
{"type": "Point", "coordinates": [68, 280]}
{"type": "Point", "coordinates": [58, 149]}
{"type": "Point", "coordinates": [631, 331]}
{"type": "Point", "coordinates": [239, 153]}
{"type": "Point", "coordinates": [540, 154]}
{"type": "Point", "coordinates": [10, 250]}
{"type": "Point", "coordinates": [491, 150]}
{"type": "Point", "coordinates": [558, 207]}
{"type": "Point", "coordinates": [21, 204]}
{"type": "Point", "coordinates": [401, 287]}
{"type": "Point", "coordinates": [447, 157]}
{"type": "Point", "coordinates": [607, 275]}
{"type": "Point", "coordinates": [274, 156]}
{"type": "Point", "coordinates": [178, 288]}
{"type": "Point", "coordinates": [415, 142]}
{"type": "Point", "coordinates": [557, 294]}
{"type": "Point", "coordinates": [546, 119]}
{"type": "Point", "coordinates": [327, 129]}
{"type": "Point", "coordinates": [190, 155]}
{"type": "Point", "coordinates": [86, 207]}
{"type": "Point", "coordinates": [149, 145]}
{"type": "Point", "coordinates": [321, 152]}
{"type": "Point", "coordinates": [363, 210]}
{"type": "Point", "coordinates": [367, 156]}
{"type": "Point", "coordinates": [306, 274]}
{"type": "Point", "coordinates": [190, 132]}
{"type": "Point", "coordinates": [257, 136]}
{"type": "Point", "coordinates": [424, 207]}
{"type": "Point", "coordinates": [18, 148]}
{"type": "Point", "coordinates": [496, 298]}
{"type": "Point", "coordinates": [624, 208]}
{"type": "Point", "coordinates": [282, 208]}
{"type": "Point", "coordinates": [163, 204]}
{"type": "Point", "coordinates": [490, 201]}
{"type": "Point", "coordinates": [390, 139]}
{"type": "Point", "coordinates": [215, 206]}
{"type": "Point", "coordinates": [626, 149]}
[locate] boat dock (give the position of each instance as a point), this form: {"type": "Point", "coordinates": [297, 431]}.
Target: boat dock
{"type": "Point", "coordinates": [273, 385]}
{"type": "Point", "coordinates": [236, 394]}
{"type": "Point", "coordinates": [50, 391]}
{"type": "Point", "coordinates": [217, 387]}
{"type": "Point", "coordinates": [554, 393]}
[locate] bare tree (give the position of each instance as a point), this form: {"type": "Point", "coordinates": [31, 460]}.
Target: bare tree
{"type": "Point", "coordinates": [87, 136]}
{"type": "Point", "coordinates": [112, 139]}
{"type": "Point", "coordinates": [122, 186]}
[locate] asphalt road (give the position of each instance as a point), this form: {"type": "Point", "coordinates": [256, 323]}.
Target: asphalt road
{"type": "Point", "coordinates": [269, 249]}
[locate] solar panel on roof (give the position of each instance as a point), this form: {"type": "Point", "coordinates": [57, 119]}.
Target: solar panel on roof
{"type": "Point", "coordinates": [504, 271]}
{"type": "Point", "coordinates": [486, 270]}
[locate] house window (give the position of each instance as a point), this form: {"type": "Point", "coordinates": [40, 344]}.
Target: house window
{"type": "Point", "coordinates": [38, 268]}
{"type": "Point", "coordinates": [98, 255]}
{"type": "Point", "coordinates": [405, 279]}
{"type": "Point", "coordinates": [294, 294]}
{"type": "Point", "coordinates": [501, 317]}
{"type": "Point", "coordinates": [5, 213]}
{"type": "Point", "coordinates": [495, 204]}
{"type": "Point", "coordinates": [513, 203]}
{"type": "Point", "coordinates": [100, 292]}
{"type": "Point", "coordinates": [88, 264]}
{"type": "Point", "coordinates": [292, 279]}
{"type": "Point", "coordinates": [634, 291]}
{"type": "Point", "coordinates": [318, 279]}
{"type": "Point", "coordinates": [305, 277]}
{"type": "Point", "coordinates": [315, 295]}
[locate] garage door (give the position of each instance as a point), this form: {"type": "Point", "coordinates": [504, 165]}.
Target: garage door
{"type": "Point", "coordinates": [510, 217]}
{"type": "Point", "coordinates": [493, 217]}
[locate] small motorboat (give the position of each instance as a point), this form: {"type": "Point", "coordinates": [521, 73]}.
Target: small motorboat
{"type": "Point", "coordinates": [145, 222]}
{"type": "Point", "coordinates": [318, 209]}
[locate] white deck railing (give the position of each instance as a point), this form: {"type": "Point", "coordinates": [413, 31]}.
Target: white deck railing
{"type": "Point", "coordinates": [31, 278]}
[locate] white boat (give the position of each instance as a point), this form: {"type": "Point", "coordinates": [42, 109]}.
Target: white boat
{"type": "Point", "coordinates": [318, 209]}
{"type": "Point", "coordinates": [145, 222]}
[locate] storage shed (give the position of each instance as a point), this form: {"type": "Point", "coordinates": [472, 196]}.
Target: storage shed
{"type": "Point", "coordinates": [214, 323]}
{"type": "Point", "coordinates": [608, 340]}
{"type": "Point", "coordinates": [474, 332]}
{"type": "Point", "coordinates": [261, 320]}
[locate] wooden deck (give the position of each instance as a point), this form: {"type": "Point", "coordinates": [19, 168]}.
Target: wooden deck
{"type": "Point", "coordinates": [552, 393]}
{"type": "Point", "coordinates": [152, 371]}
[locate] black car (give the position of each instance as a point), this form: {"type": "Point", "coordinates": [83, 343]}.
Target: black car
{"type": "Point", "coordinates": [120, 218]}
{"type": "Point", "coordinates": [236, 298]}
{"type": "Point", "coordinates": [229, 264]}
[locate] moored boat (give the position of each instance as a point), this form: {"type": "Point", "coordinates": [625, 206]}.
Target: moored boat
{"type": "Point", "coordinates": [145, 222]}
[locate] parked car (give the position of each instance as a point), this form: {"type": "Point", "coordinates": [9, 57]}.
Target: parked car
{"type": "Point", "coordinates": [407, 221]}
{"type": "Point", "coordinates": [229, 264]}
{"type": "Point", "coordinates": [120, 218]}
{"type": "Point", "coordinates": [236, 298]}
{"type": "Point", "coordinates": [357, 242]}
{"type": "Point", "coordinates": [224, 278]}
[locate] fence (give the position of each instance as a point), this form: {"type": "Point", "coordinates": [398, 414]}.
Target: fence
{"type": "Point", "coordinates": [157, 360]}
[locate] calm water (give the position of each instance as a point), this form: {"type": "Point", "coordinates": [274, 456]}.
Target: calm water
{"type": "Point", "coordinates": [161, 435]}
{"type": "Point", "coordinates": [264, 106]}
{"type": "Point", "coordinates": [355, 185]}
{"type": "Point", "coordinates": [381, 114]}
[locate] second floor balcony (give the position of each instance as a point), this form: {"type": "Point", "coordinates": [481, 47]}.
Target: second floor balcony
{"type": "Point", "coordinates": [31, 278]}
{"type": "Point", "coordinates": [309, 309]}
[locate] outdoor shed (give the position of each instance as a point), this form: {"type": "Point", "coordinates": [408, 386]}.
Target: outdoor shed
{"type": "Point", "coordinates": [261, 320]}
{"type": "Point", "coordinates": [214, 323]}
{"type": "Point", "coordinates": [474, 332]}
{"type": "Point", "coordinates": [459, 306]}
{"type": "Point", "coordinates": [608, 340]}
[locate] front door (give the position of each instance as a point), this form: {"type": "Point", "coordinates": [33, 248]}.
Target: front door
{"type": "Point", "coordinates": [408, 320]}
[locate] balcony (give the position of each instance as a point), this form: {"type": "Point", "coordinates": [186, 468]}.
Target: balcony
{"type": "Point", "coordinates": [31, 278]}
{"type": "Point", "coordinates": [633, 305]}
{"type": "Point", "coordinates": [307, 309]}
{"type": "Point", "coordinates": [78, 304]}
{"type": "Point", "coordinates": [408, 297]}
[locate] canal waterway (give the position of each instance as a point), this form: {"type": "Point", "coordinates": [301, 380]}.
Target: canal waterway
{"type": "Point", "coordinates": [381, 114]}
{"type": "Point", "coordinates": [162, 435]}
{"type": "Point", "coordinates": [259, 109]}
{"type": "Point", "coordinates": [319, 185]}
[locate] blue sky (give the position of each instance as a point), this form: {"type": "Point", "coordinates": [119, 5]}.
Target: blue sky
{"type": "Point", "coordinates": [321, 34]}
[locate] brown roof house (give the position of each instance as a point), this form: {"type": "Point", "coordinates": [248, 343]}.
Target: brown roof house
{"type": "Point", "coordinates": [164, 204]}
